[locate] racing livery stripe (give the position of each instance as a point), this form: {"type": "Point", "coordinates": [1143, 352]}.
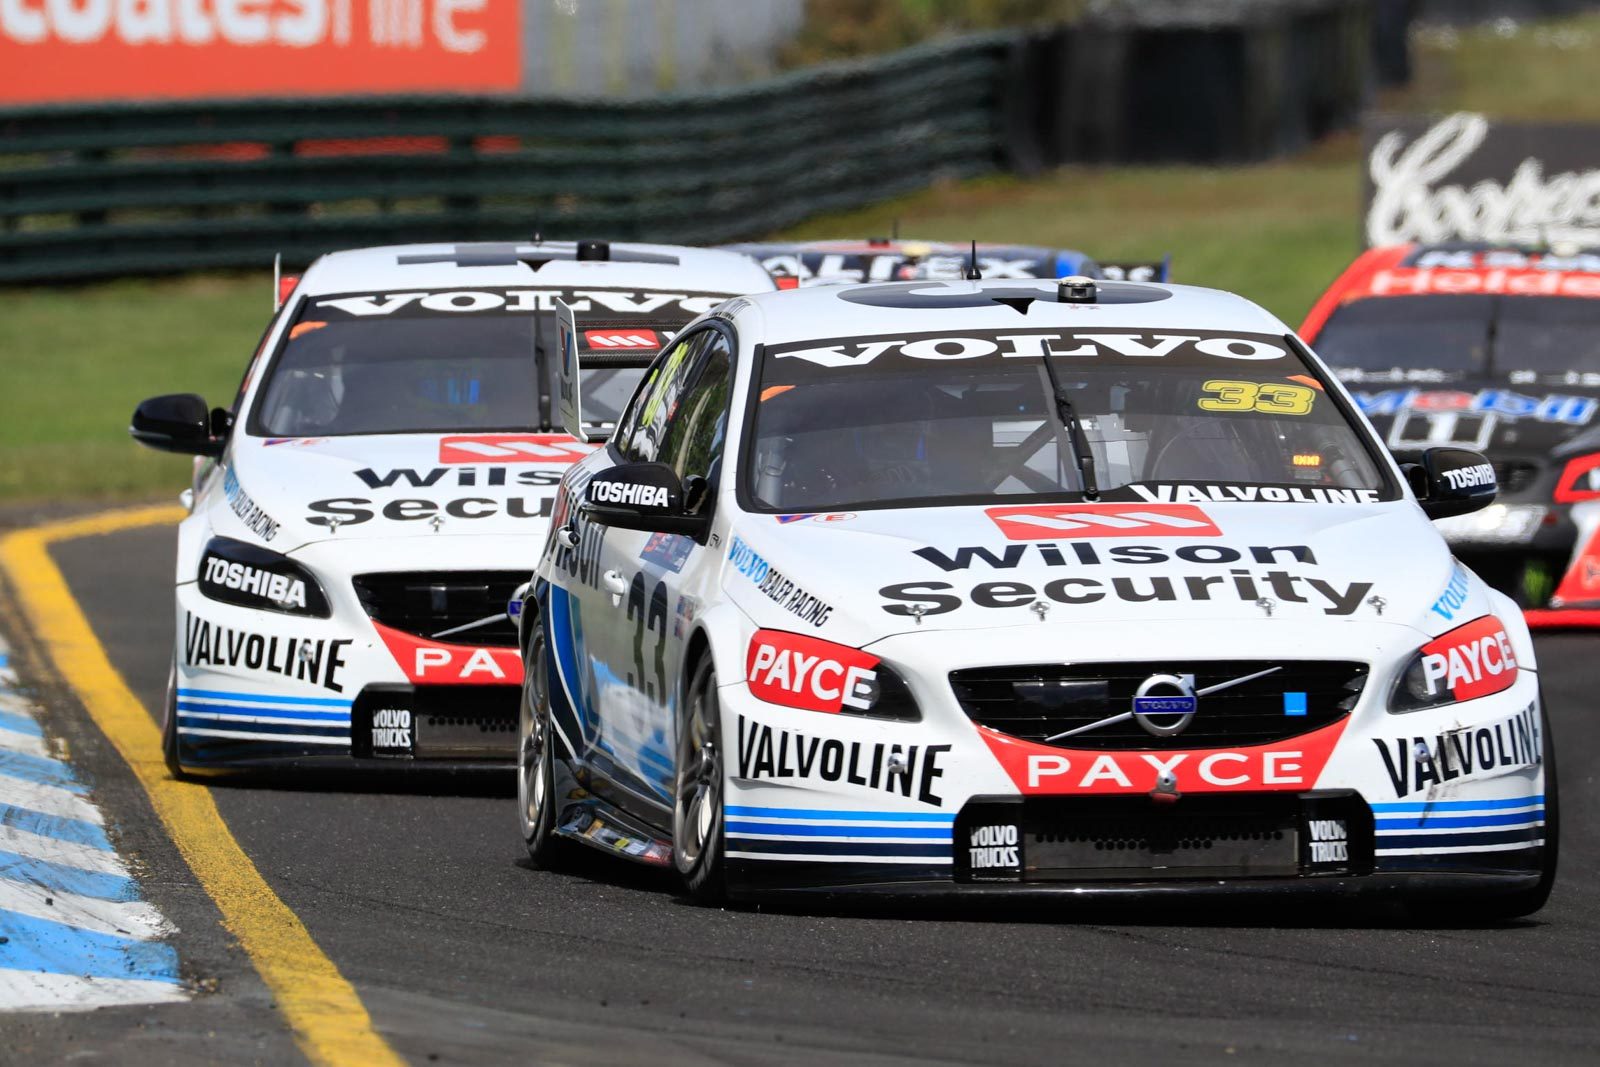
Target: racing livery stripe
{"type": "Point", "coordinates": [1519, 818]}
{"type": "Point", "coordinates": [258, 698]}
{"type": "Point", "coordinates": [1523, 838]}
{"type": "Point", "coordinates": [750, 848]}
{"type": "Point", "coordinates": [312, 718]}
{"type": "Point", "coordinates": [842, 831]}
{"type": "Point", "coordinates": [1457, 805]}
{"type": "Point", "coordinates": [827, 815]}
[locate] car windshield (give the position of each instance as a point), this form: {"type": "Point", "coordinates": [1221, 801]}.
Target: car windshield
{"type": "Point", "coordinates": [1385, 337]}
{"type": "Point", "coordinates": [936, 419]}
{"type": "Point", "coordinates": [347, 370]}
{"type": "Point", "coordinates": [1526, 339]}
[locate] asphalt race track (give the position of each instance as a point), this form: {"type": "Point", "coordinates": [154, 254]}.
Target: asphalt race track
{"type": "Point", "coordinates": [463, 954]}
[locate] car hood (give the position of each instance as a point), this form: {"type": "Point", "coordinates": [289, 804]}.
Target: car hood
{"type": "Point", "coordinates": [874, 573]}
{"type": "Point", "coordinates": [290, 492]}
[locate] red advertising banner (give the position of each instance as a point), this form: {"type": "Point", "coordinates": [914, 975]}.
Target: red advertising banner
{"type": "Point", "coordinates": [60, 50]}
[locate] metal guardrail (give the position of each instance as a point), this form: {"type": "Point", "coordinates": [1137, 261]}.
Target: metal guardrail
{"type": "Point", "coordinates": [124, 188]}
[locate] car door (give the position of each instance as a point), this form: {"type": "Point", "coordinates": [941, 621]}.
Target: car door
{"type": "Point", "coordinates": [679, 419]}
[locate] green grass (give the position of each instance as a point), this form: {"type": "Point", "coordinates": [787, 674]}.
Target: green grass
{"type": "Point", "coordinates": [81, 357]}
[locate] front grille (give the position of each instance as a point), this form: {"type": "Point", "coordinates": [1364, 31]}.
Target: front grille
{"type": "Point", "coordinates": [1038, 702]}
{"type": "Point", "coordinates": [446, 721]}
{"type": "Point", "coordinates": [1079, 839]}
{"type": "Point", "coordinates": [432, 604]}
{"type": "Point", "coordinates": [1515, 475]}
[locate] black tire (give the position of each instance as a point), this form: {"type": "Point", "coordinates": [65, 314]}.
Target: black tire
{"type": "Point", "coordinates": [536, 750]}
{"type": "Point", "coordinates": [169, 727]}
{"type": "Point", "coordinates": [697, 842]}
{"type": "Point", "coordinates": [1526, 901]}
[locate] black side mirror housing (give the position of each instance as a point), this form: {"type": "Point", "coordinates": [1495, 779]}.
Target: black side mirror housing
{"type": "Point", "coordinates": [177, 422]}
{"type": "Point", "coordinates": [647, 496]}
{"type": "Point", "coordinates": [1449, 481]}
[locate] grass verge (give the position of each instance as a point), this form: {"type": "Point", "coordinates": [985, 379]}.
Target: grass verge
{"type": "Point", "coordinates": [81, 357]}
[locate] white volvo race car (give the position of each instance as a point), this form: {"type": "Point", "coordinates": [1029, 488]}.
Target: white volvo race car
{"type": "Point", "coordinates": [999, 587]}
{"type": "Point", "coordinates": [364, 511]}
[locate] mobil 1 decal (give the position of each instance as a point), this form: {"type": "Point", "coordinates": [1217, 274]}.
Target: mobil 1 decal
{"type": "Point", "coordinates": [1249, 353]}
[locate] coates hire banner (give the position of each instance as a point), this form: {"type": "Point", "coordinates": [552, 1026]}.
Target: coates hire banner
{"type": "Point", "coordinates": [61, 50]}
{"type": "Point", "coordinates": [1465, 178]}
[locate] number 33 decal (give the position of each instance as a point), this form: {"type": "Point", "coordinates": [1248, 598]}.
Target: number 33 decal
{"type": "Point", "coordinates": [1271, 398]}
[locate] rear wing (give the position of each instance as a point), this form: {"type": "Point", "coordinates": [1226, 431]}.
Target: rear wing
{"type": "Point", "coordinates": [600, 343]}
{"type": "Point", "coordinates": [1159, 270]}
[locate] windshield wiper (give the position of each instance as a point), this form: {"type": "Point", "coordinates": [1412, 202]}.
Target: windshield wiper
{"type": "Point", "coordinates": [1082, 455]}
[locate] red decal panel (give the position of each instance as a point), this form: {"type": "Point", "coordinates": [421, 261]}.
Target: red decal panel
{"type": "Point", "coordinates": [1043, 770]}
{"type": "Point", "coordinates": [553, 448]}
{"type": "Point", "coordinates": [1047, 522]}
{"type": "Point", "coordinates": [436, 663]}
{"type": "Point", "coordinates": [1470, 661]}
{"type": "Point", "coordinates": [797, 671]}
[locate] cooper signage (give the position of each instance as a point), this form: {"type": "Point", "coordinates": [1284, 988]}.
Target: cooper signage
{"type": "Point", "coordinates": [1465, 178]}
{"type": "Point", "coordinates": [57, 50]}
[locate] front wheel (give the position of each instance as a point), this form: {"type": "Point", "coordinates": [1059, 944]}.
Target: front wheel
{"type": "Point", "coordinates": [697, 812]}
{"type": "Point", "coordinates": [1526, 901]}
{"type": "Point", "coordinates": [169, 727]}
{"type": "Point", "coordinates": [536, 789]}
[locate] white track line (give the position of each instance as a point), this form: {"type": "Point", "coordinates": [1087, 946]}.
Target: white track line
{"type": "Point", "coordinates": [119, 918]}
{"type": "Point", "coordinates": [48, 800]}
{"type": "Point", "coordinates": [54, 850]}
{"type": "Point", "coordinates": [36, 991]}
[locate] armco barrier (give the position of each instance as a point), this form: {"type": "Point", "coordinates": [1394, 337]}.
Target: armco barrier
{"type": "Point", "coordinates": [127, 189]}
{"type": "Point", "coordinates": [151, 188]}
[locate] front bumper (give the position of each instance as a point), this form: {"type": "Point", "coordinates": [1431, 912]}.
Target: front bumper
{"type": "Point", "coordinates": [258, 690]}
{"type": "Point", "coordinates": [1435, 802]}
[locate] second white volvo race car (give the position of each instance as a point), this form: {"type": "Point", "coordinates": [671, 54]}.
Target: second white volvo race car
{"type": "Point", "coordinates": [1011, 587]}
{"type": "Point", "coordinates": [365, 509]}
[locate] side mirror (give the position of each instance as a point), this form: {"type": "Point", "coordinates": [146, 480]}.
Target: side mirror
{"type": "Point", "coordinates": [647, 496]}
{"type": "Point", "coordinates": [1449, 481]}
{"type": "Point", "coordinates": [177, 422]}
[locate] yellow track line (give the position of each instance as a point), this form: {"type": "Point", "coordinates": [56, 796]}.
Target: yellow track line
{"type": "Point", "coordinates": [329, 1022]}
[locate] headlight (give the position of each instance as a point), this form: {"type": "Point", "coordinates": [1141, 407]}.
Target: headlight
{"type": "Point", "coordinates": [1470, 661]}
{"type": "Point", "coordinates": [1498, 523]}
{"type": "Point", "coordinates": [799, 671]}
{"type": "Point", "coordinates": [236, 572]}
{"type": "Point", "coordinates": [1579, 481]}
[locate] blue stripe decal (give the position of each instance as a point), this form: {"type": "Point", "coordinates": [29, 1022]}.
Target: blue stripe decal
{"type": "Point", "coordinates": [58, 826]}
{"type": "Point", "coordinates": [289, 729]}
{"type": "Point", "coordinates": [19, 724]}
{"type": "Point", "coordinates": [40, 771]}
{"type": "Point", "coordinates": [254, 698]}
{"type": "Point", "coordinates": [55, 948]}
{"type": "Point", "coordinates": [736, 826]}
{"type": "Point", "coordinates": [59, 876]}
{"type": "Point", "coordinates": [1459, 840]}
{"type": "Point", "coordinates": [837, 848]}
{"type": "Point", "coordinates": [1447, 821]}
{"type": "Point", "coordinates": [1459, 805]}
{"type": "Point", "coordinates": [840, 816]}
{"type": "Point", "coordinates": [280, 713]}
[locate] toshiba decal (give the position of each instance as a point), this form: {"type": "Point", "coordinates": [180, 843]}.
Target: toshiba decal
{"type": "Point", "coordinates": [58, 50]}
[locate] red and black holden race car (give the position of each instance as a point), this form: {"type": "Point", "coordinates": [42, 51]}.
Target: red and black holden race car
{"type": "Point", "coordinates": [1495, 349]}
{"type": "Point", "coordinates": [884, 259]}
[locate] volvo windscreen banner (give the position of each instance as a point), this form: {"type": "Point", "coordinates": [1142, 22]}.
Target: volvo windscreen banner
{"type": "Point", "coordinates": [63, 50]}
{"type": "Point", "coordinates": [1468, 178]}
